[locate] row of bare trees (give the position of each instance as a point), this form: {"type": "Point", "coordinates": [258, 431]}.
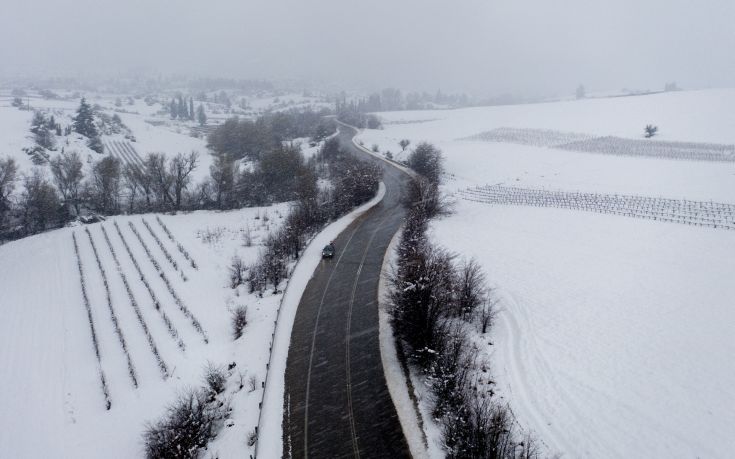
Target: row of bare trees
{"type": "Point", "coordinates": [354, 182]}
{"type": "Point", "coordinates": [436, 305]}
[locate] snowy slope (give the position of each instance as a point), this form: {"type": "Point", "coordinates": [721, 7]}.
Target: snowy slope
{"type": "Point", "coordinates": [52, 399]}
{"type": "Point", "coordinates": [613, 337]}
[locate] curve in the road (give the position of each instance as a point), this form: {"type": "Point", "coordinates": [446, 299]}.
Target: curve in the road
{"type": "Point", "coordinates": [336, 402]}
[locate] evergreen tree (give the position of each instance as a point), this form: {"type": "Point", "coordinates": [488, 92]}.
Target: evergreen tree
{"type": "Point", "coordinates": [174, 109]}
{"type": "Point", "coordinates": [182, 109]}
{"type": "Point", "coordinates": [201, 115]}
{"type": "Point", "coordinates": [84, 121]}
{"type": "Point", "coordinates": [191, 108]}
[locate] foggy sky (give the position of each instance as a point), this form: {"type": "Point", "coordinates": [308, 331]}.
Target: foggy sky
{"type": "Point", "coordinates": [486, 47]}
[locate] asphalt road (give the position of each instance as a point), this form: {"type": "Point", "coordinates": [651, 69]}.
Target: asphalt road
{"type": "Point", "coordinates": [336, 400]}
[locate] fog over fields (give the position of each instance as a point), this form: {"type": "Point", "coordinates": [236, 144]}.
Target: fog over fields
{"type": "Point", "coordinates": [486, 47]}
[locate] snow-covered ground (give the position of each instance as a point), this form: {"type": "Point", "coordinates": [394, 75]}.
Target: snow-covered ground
{"type": "Point", "coordinates": [52, 398]}
{"type": "Point", "coordinates": [613, 335]}
{"type": "Point", "coordinates": [150, 124]}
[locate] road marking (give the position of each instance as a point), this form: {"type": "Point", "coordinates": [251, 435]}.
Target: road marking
{"type": "Point", "coordinates": [313, 342]}
{"type": "Point", "coordinates": [353, 430]}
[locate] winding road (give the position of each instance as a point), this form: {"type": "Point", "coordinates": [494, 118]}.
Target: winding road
{"type": "Point", "coordinates": [336, 400]}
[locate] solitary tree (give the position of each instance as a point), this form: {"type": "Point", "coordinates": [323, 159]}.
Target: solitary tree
{"type": "Point", "coordinates": [581, 93]}
{"type": "Point", "coordinates": [404, 143]}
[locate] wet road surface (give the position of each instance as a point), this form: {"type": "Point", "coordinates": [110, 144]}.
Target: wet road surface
{"type": "Point", "coordinates": [336, 400]}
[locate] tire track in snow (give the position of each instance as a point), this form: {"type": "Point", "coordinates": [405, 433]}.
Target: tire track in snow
{"type": "Point", "coordinates": [518, 372]}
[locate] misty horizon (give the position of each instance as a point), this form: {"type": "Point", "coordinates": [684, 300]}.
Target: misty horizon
{"type": "Point", "coordinates": [475, 47]}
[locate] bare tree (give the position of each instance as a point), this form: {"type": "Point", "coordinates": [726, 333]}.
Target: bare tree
{"type": "Point", "coordinates": [160, 179]}
{"type": "Point", "coordinates": [8, 177]}
{"type": "Point", "coordinates": [471, 291]}
{"type": "Point", "coordinates": [181, 168]}
{"type": "Point", "coordinates": [404, 143]}
{"type": "Point", "coordinates": [650, 130]}
{"type": "Point", "coordinates": [105, 185]}
{"type": "Point", "coordinates": [486, 314]}
{"type": "Point", "coordinates": [66, 169]}
{"type": "Point", "coordinates": [222, 173]}
{"type": "Point", "coordinates": [39, 203]}
{"type": "Point", "coordinates": [131, 180]}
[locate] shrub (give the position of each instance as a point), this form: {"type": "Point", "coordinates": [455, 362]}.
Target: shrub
{"type": "Point", "coordinates": [189, 423]}
{"type": "Point", "coordinates": [427, 160]}
{"type": "Point", "coordinates": [237, 272]}
{"type": "Point", "coordinates": [215, 378]}
{"type": "Point", "coordinates": [421, 297]}
{"type": "Point", "coordinates": [650, 130]}
{"type": "Point", "coordinates": [239, 320]}
{"type": "Point", "coordinates": [471, 291]}
{"type": "Point", "coordinates": [252, 437]}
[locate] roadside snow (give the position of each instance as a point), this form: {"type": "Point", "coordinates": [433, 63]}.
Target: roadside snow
{"type": "Point", "coordinates": [395, 377]}
{"type": "Point", "coordinates": [270, 442]}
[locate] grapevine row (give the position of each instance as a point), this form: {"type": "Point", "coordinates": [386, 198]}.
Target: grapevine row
{"type": "Point", "coordinates": [169, 286]}
{"type": "Point", "coordinates": [160, 245]}
{"type": "Point", "coordinates": [698, 213]}
{"type": "Point", "coordinates": [113, 315]}
{"type": "Point", "coordinates": [95, 343]}
{"type": "Point", "coordinates": [169, 325]}
{"type": "Point", "coordinates": [134, 304]}
{"type": "Point", "coordinates": [181, 248]}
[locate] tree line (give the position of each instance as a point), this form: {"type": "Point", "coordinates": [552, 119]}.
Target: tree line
{"type": "Point", "coordinates": [272, 172]}
{"type": "Point", "coordinates": [249, 139]}
{"type": "Point", "coordinates": [392, 99]}
{"type": "Point", "coordinates": [435, 302]}
{"type": "Point", "coordinates": [180, 108]}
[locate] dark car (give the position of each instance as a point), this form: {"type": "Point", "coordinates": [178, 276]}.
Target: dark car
{"type": "Point", "coordinates": [328, 251]}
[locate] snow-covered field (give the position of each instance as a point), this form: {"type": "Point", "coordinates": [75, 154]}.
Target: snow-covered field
{"type": "Point", "coordinates": [613, 338]}
{"type": "Point", "coordinates": [53, 402]}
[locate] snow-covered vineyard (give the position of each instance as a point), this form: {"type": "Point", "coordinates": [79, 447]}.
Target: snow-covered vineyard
{"type": "Point", "coordinates": [698, 213]}
{"type": "Point", "coordinates": [126, 314]}
{"type": "Point", "coordinates": [611, 270]}
{"type": "Point", "coordinates": [609, 145]}
{"type": "Point", "coordinates": [125, 152]}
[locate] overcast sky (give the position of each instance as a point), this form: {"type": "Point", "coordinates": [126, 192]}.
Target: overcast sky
{"type": "Point", "coordinates": [486, 47]}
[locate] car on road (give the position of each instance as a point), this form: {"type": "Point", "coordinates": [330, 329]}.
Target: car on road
{"type": "Point", "coordinates": [328, 250]}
